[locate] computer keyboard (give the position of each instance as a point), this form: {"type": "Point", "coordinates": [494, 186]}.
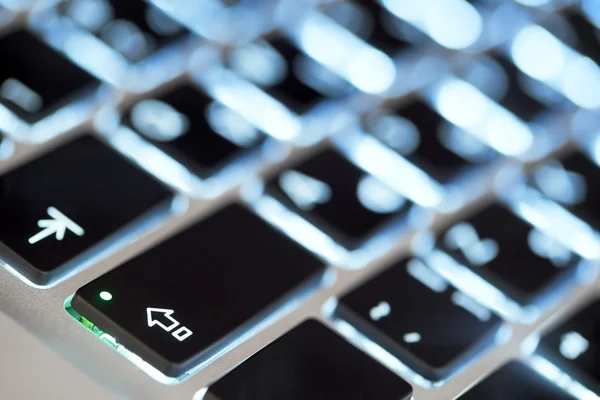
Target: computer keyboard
{"type": "Point", "coordinates": [331, 200]}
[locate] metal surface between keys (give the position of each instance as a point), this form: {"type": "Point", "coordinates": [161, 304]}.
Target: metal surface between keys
{"type": "Point", "coordinates": [113, 364]}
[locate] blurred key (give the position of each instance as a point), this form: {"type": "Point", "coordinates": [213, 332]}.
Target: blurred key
{"type": "Point", "coordinates": [515, 97]}
{"type": "Point", "coordinates": [338, 197]}
{"type": "Point", "coordinates": [201, 133]}
{"type": "Point", "coordinates": [286, 73]}
{"type": "Point", "coordinates": [574, 345]}
{"type": "Point", "coordinates": [133, 28]}
{"type": "Point", "coordinates": [310, 362]}
{"type": "Point", "coordinates": [185, 299]}
{"type": "Point", "coordinates": [427, 140]}
{"type": "Point", "coordinates": [509, 253]}
{"type": "Point", "coordinates": [407, 307]}
{"type": "Point", "coordinates": [572, 182]}
{"type": "Point", "coordinates": [372, 22]}
{"type": "Point", "coordinates": [59, 207]}
{"type": "Point", "coordinates": [515, 381]}
{"type": "Point", "coordinates": [35, 79]}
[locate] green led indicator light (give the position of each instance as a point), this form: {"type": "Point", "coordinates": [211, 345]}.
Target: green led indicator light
{"type": "Point", "coordinates": [104, 295]}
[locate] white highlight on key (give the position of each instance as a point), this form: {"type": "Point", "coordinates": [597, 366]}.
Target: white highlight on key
{"type": "Point", "coordinates": [381, 310]}
{"type": "Point", "coordinates": [306, 192]}
{"type": "Point", "coordinates": [572, 345]}
{"type": "Point", "coordinates": [413, 337]}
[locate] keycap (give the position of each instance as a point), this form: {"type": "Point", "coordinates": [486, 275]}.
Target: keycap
{"type": "Point", "coordinates": [406, 308]}
{"type": "Point", "coordinates": [289, 75]}
{"type": "Point", "coordinates": [338, 197]}
{"type": "Point", "coordinates": [588, 36]}
{"type": "Point", "coordinates": [516, 99]}
{"type": "Point", "coordinates": [372, 22]}
{"type": "Point", "coordinates": [61, 206]}
{"type": "Point", "coordinates": [424, 138]}
{"type": "Point", "coordinates": [515, 381]}
{"type": "Point", "coordinates": [574, 346]}
{"type": "Point", "coordinates": [310, 362]}
{"type": "Point", "coordinates": [187, 298]}
{"type": "Point", "coordinates": [135, 29]}
{"type": "Point", "coordinates": [508, 252]}
{"type": "Point", "coordinates": [35, 79]}
{"type": "Point", "coordinates": [572, 183]}
{"type": "Point", "coordinates": [203, 134]}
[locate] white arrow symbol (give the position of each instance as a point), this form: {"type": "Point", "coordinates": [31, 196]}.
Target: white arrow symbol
{"type": "Point", "coordinates": [304, 190]}
{"type": "Point", "coordinates": [151, 312]}
{"type": "Point", "coordinates": [58, 225]}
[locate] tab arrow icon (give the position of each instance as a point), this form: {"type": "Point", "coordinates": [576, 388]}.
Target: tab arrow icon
{"type": "Point", "coordinates": [58, 226]}
{"type": "Point", "coordinates": [154, 313]}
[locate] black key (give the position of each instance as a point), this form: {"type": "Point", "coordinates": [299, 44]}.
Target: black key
{"type": "Point", "coordinates": [588, 36]}
{"type": "Point", "coordinates": [509, 253]}
{"type": "Point", "coordinates": [574, 185]}
{"type": "Point", "coordinates": [185, 299]}
{"type": "Point", "coordinates": [35, 79]}
{"type": "Point", "coordinates": [423, 137]}
{"type": "Point", "coordinates": [59, 207]}
{"type": "Point", "coordinates": [371, 22]}
{"type": "Point", "coordinates": [516, 99]}
{"type": "Point", "coordinates": [338, 197]}
{"type": "Point", "coordinates": [292, 91]}
{"type": "Point", "coordinates": [574, 346]}
{"type": "Point", "coordinates": [515, 381]}
{"type": "Point", "coordinates": [310, 362]}
{"type": "Point", "coordinates": [134, 28]}
{"type": "Point", "coordinates": [405, 308]}
{"type": "Point", "coordinates": [201, 133]}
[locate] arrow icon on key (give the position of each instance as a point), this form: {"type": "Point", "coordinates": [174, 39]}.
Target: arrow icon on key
{"type": "Point", "coordinates": [154, 313]}
{"type": "Point", "coordinates": [58, 226]}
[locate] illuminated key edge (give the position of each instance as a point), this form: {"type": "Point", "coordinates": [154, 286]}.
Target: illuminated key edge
{"type": "Point", "coordinates": [114, 344]}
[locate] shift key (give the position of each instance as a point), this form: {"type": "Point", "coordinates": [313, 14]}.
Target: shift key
{"type": "Point", "coordinates": [184, 301]}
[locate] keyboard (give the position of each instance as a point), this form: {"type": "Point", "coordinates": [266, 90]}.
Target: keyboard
{"type": "Point", "coordinates": [316, 199]}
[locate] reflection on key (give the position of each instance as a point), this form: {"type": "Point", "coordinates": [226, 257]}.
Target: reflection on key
{"type": "Point", "coordinates": [339, 198]}
{"type": "Point", "coordinates": [55, 210]}
{"type": "Point", "coordinates": [186, 299]}
{"type": "Point", "coordinates": [430, 142]}
{"type": "Point", "coordinates": [310, 362]}
{"type": "Point", "coordinates": [574, 345]}
{"type": "Point", "coordinates": [201, 133]}
{"type": "Point", "coordinates": [515, 381]}
{"type": "Point", "coordinates": [405, 309]}
{"type": "Point", "coordinates": [35, 79]}
{"type": "Point", "coordinates": [508, 252]}
{"type": "Point", "coordinates": [135, 29]}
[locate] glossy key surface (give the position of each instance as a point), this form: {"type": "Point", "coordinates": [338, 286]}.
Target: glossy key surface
{"type": "Point", "coordinates": [515, 381]}
{"type": "Point", "coordinates": [574, 345]}
{"type": "Point", "coordinates": [183, 300]}
{"type": "Point", "coordinates": [35, 79]}
{"type": "Point", "coordinates": [509, 253]}
{"type": "Point", "coordinates": [423, 137]}
{"type": "Point", "coordinates": [56, 208]}
{"type": "Point", "coordinates": [201, 133]}
{"type": "Point", "coordinates": [310, 362]}
{"type": "Point", "coordinates": [420, 318]}
{"type": "Point", "coordinates": [338, 197]}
